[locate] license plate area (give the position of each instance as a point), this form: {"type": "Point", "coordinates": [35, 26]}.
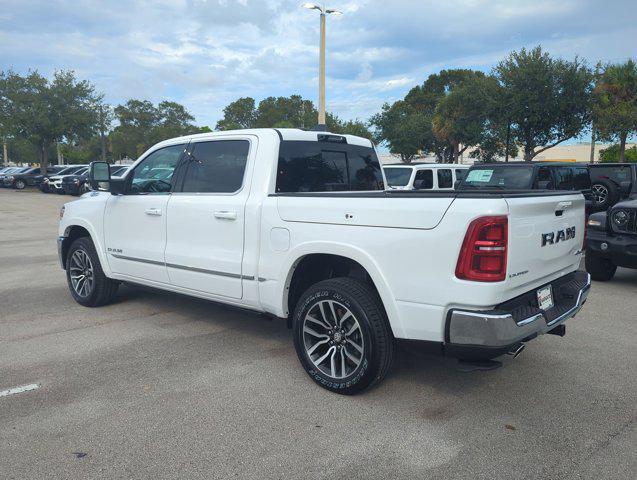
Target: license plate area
{"type": "Point", "coordinates": [545, 298]}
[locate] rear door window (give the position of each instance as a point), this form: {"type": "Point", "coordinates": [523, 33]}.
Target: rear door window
{"type": "Point", "coordinates": [445, 178]}
{"type": "Point", "coordinates": [216, 167]}
{"type": "Point", "coordinates": [563, 178]}
{"type": "Point", "coordinates": [581, 178]}
{"type": "Point", "coordinates": [424, 180]}
{"type": "Point", "coordinates": [545, 180]}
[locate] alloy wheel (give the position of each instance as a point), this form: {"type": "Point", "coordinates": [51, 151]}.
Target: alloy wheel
{"type": "Point", "coordinates": [600, 193]}
{"type": "Point", "coordinates": [333, 339]}
{"type": "Point", "coordinates": [81, 273]}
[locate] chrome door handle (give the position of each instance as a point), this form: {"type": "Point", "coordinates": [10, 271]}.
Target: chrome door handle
{"type": "Point", "coordinates": [225, 215]}
{"type": "Point", "coordinates": [153, 211]}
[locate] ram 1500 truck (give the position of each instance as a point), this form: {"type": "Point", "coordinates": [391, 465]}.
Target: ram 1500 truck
{"type": "Point", "coordinates": [297, 224]}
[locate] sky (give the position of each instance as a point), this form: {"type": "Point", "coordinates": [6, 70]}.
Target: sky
{"type": "Point", "coordinates": [207, 53]}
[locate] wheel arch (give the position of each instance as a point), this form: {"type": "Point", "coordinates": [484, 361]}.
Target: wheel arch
{"type": "Point", "coordinates": [77, 229]}
{"type": "Point", "coordinates": [310, 264]}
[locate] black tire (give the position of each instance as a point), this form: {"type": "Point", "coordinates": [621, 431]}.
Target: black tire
{"type": "Point", "coordinates": [601, 269]}
{"type": "Point", "coordinates": [605, 194]}
{"type": "Point", "coordinates": [103, 289]}
{"type": "Point", "coordinates": [374, 333]}
{"type": "Point", "coordinates": [60, 191]}
{"type": "Point", "coordinates": [19, 184]}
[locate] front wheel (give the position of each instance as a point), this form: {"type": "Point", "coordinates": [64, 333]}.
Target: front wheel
{"type": "Point", "coordinates": [85, 277]}
{"type": "Point", "coordinates": [20, 184]}
{"type": "Point", "coordinates": [601, 269]}
{"type": "Point", "coordinates": [342, 336]}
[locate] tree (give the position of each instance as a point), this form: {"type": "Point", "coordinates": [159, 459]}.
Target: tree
{"type": "Point", "coordinates": [612, 154]}
{"type": "Point", "coordinates": [48, 112]}
{"type": "Point", "coordinates": [239, 114]}
{"type": "Point", "coordinates": [349, 127]}
{"type": "Point", "coordinates": [463, 116]}
{"type": "Point", "coordinates": [415, 115]}
{"type": "Point", "coordinates": [105, 118]}
{"type": "Point", "coordinates": [405, 130]}
{"type": "Point", "coordinates": [283, 112]}
{"type": "Point", "coordinates": [546, 99]}
{"type": "Point", "coordinates": [615, 104]}
{"type": "Point", "coordinates": [142, 124]}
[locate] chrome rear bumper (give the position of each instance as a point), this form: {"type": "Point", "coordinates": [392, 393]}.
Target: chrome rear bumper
{"type": "Point", "coordinates": [502, 328]}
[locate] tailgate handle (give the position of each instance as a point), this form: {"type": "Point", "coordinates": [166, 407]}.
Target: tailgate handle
{"type": "Point", "coordinates": [561, 207]}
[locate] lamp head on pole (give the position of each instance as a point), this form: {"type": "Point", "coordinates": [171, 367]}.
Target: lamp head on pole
{"type": "Point", "coordinates": [329, 11]}
{"type": "Point", "coordinates": [312, 6]}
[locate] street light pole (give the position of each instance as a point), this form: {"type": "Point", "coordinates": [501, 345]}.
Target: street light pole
{"type": "Point", "coordinates": [321, 111]}
{"type": "Point", "coordinates": [321, 108]}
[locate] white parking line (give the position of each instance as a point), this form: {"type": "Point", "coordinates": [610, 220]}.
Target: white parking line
{"type": "Point", "coordinates": [23, 388]}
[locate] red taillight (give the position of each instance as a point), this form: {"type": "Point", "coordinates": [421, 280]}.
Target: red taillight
{"type": "Point", "coordinates": [483, 257]}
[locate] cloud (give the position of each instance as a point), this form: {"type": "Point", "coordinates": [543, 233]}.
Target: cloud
{"type": "Point", "coordinates": [207, 53]}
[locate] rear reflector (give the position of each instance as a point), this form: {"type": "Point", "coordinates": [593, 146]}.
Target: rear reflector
{"type": "Point", "coordinates": [483, 257]}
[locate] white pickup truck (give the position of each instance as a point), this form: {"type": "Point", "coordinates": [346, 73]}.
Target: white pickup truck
{"type": "Point", "coordinates": [297, 224]}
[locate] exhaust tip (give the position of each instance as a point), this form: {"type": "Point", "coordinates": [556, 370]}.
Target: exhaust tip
{"type": "Point", "coordinates": [515, 351]}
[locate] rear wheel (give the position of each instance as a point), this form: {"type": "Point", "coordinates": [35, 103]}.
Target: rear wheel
{"type": "Point", "coordinates": [342, 336]}
{"type": "Point", "coordinates": [20, 184]}
{"type": "Point", "coordinates": [601, 269]}
{"type": "Point", "coordinates": [85, 277]}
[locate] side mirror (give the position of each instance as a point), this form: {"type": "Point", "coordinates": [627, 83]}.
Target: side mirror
{"type": "Point", "coordinates": [99, 175]}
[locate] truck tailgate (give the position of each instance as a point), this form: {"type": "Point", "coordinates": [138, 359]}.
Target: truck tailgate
{"type": "Point", "coordinates": [546, 235]}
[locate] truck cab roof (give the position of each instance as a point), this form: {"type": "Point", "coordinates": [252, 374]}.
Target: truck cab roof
{"type": "Point", "coordinates": [288, 134]}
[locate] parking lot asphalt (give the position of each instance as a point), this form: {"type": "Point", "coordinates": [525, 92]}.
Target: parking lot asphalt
{"type": "Point", "coordinates": [163, 386]}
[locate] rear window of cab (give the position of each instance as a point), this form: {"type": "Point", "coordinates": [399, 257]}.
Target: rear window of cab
{"type": "Point", "coordinates": [309, 166]}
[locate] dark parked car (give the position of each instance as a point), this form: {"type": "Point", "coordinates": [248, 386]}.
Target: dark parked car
{"type": "Point", "coordinates": [75, 184]}
{"type": "Point", "coordinates": [50, 171]}
{"type": "Point", "coordinates": [612, 183]}
{"type": "Point", "coordinates": [529, 176]}
{"type": "Point", "coordinates": [21, 178]}
{"type": "Point", "coordinates": [53, 183]}
{"type": "Point", "coordinates": [611, 240]}
{"type": "Point", "coordinates": [6, 171]}
{"type": "Point", "coordinates": [78, 184]}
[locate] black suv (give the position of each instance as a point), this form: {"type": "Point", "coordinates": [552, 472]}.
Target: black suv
{"type": "Point", "coordinates": [612, 183]}
{"type": "Point", "coordinates": [75, 184]}
{"type": "Point", "coordinates": [611, 240]}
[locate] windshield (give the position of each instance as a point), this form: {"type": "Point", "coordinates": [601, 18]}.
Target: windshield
{"type": "Point", "coordinates": [398, 176]}
{"type": "Point", "coordinates": [500, 177]}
